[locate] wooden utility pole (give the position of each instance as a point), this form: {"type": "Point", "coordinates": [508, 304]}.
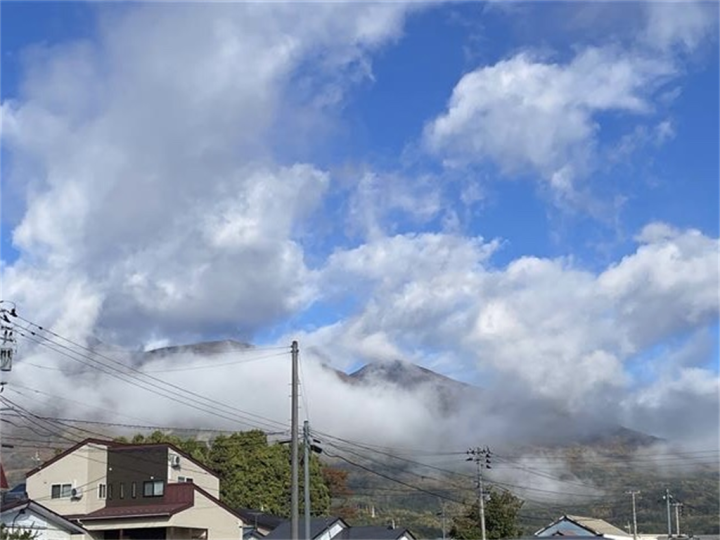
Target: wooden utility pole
{"type": "Point", "coordinates": [294, 484]}
{"type": "Point", "coordinates": [632, 494]}
{"type": "Point", "coordinates": [481, 457]}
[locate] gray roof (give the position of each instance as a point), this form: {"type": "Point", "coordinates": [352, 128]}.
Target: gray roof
{"type": "Point", "coordinates": [317, 527]}
{"type": "Point", "coordinates": [376, 533]}
{"type": "Point", "coordinates": [44, 512]}
{"type": "Point", "coordinates": [259, 518]}
{"type": "Point", "coordinates": [598, 526]}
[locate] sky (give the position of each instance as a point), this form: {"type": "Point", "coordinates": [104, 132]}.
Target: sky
{"type": "Point", "coordinates": [522, 196]}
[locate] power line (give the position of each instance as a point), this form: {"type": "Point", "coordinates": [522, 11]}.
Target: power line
{"type": "Point", "coordinates": [186, 400]}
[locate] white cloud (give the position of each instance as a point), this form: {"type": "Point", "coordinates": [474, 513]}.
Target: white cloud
{"type": "Point", "coordinates": [148, 162]}
{"type": "Point", "coordinates": [683, 24]}
{"type": "Point", "coordinates": [562, 332]}
{"type": "Point", "coordinates": [524, 114]}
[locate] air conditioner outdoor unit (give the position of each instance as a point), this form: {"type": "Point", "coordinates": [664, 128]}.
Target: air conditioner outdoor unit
{"type": "Point", "coordinates": [76, 493]}
{"type": "Point", "coordinates": [175, 461]}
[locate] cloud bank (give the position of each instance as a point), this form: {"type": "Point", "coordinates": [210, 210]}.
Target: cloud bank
{"type": "Point", "coordinates": [160, 199]}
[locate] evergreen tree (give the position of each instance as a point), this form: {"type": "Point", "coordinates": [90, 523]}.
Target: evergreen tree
{"type": "Point", "coordinates": [501, 518]}
{"type": "Point", "coordinates": [253, 473]}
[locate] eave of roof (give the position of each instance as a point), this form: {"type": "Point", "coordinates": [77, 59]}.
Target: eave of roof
{"type": "Point", "coordinates": [137, 511]}
{"type": "Point", "coordinates": [45, 512]}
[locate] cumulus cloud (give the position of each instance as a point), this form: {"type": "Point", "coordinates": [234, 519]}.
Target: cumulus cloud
{"type": "Point", "coordinates": [160, 204]}
{"type": "Point", "coordinates": [683, 25]}
{"type": "Point", "coordinates": [563, 332]}
{"type": "Point", "coordinates": [148, 169]}
{"type": "Point", "coordinates": [525, 114]}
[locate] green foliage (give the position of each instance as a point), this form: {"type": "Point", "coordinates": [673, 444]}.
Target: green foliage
{"type": "Point", "coordinates": [253, 473]}
{"type": "Point", "coordinates": [17, 533]}
{"type": "Point", "coordinates": [501, 518]}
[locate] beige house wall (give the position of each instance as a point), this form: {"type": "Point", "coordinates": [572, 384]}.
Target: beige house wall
{"type": "Point", "coordinates": [84, 468]}
{"type": "Point", "coordinates": [200, 476]}
{"type": "Point", "coordinates": [207, 514]}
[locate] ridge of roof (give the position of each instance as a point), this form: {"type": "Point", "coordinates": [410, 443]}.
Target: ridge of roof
{"type": "Point", "coordinates": [121, 446]}
{"type": "Point", "coordinates": [90, 440]}
{"type": "Point", "coordinates": [596, 525]}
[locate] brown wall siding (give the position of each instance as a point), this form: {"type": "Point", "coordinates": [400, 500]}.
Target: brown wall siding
{"type": "Point", "coordinates": [138, 465]}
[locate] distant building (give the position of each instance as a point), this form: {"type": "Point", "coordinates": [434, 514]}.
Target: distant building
{"type": "Point", "coordinates": [582, 526]}
{"type": "Point", "coordinates": [333, 528]}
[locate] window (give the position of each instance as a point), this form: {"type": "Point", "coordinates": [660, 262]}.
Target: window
{"type": "Point", "coordinates": [109, 491]}
{"type": "Point", "coordinates": [153, 488]}
{"type": "Point", "coordinates": [187, 479]}
{"type": "Point", "coordinates": [122, 490]}
{"type": "Point", "coordinates": [101, 491]}
{"type": "Point", "coordinates": [61, 491]}
{"type": "Point", "coordinates": [133, 490]}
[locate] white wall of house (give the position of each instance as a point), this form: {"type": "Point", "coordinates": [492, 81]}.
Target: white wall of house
{"type": "Point", "coordinates": [84, 469]}
{"type": "Point", "coordinates": [186, 468]}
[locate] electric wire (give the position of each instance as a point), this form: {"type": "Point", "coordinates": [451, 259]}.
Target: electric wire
{"type": "Point", "coordinates": [197, 398]}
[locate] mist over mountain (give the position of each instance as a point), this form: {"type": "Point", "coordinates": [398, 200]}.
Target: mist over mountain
{"type": "Point", "coordinates": [461, 412]}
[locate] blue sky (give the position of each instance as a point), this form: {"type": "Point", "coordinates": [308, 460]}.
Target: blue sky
{"type": "Point", "coordinates": [492, 190]}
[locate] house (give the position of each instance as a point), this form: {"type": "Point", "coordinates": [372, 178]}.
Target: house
{"type": "Point", "coordinates": [379, 533]}
{"type": "Point", "coordinates": [332, 528]}
{"type": "Point", "coordinates": [150, 491]}
{"type": "Point", "coordinates": [42, 522]}
{"type": "Point", "coordinates": [258, 523]}
{"type": "Point", "coordinates": [582, 526]}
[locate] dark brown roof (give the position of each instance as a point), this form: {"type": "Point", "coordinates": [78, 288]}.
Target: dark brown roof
{"type": "Point", "coordinates": [177, 497]}
{"type": "Point", "coordinates": [3, 478]}
{"type": "Point", "coordinates": [139, 510]}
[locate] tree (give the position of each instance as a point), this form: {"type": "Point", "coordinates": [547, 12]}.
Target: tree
{"type": "Point", "coordinates": [336, 481]}
{"type": "Point", "coordinates": [501, 513]}
{"type": "Point", "coordinates": [253, 472]}
{"type": "Point", "coordinates": [16, 533]}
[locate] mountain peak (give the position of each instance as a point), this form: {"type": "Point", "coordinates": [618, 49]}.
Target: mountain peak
{"type": "Point", "coordinates": [203, 347]}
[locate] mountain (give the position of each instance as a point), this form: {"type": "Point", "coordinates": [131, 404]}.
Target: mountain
{"type": "Point", "coordinates": [537, 422]}
{"type": "Point", "coordinates": [205, 348]}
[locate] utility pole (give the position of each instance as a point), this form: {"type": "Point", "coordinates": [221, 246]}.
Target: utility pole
{"type": "Point", "coordinates": [8, 343]}
{"type": "Point", "coordinates": [306, 465]}
{"type": "Point", "coordinates": [294, 484]}
{"type": "Point", "coordinates": [442, 510]}
{"type": "Point", "coordinates": [481, 457]}
{"type": "Point", "coordinates": [632, 494]}
{"type": "Point", "coordinates": [677, 506]}
{"type": "Point", "coordinates": [667, 498]}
